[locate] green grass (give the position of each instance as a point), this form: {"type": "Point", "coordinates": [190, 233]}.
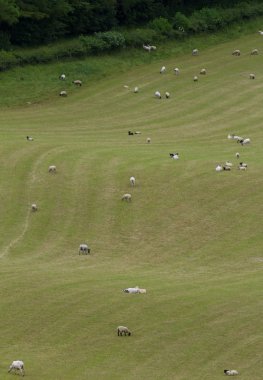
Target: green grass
{"type": "Point", "coordinates": [190, 236]}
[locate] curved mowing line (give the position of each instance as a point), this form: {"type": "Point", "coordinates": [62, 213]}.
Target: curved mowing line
{"type": "Point", "coordinates": [32, 179]}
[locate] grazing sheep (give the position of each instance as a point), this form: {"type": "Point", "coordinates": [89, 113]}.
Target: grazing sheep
{"type": "Point", "coordinates": [230, 137]}
{"type": "Point", "coordinates": [135, 290]}
{"type": "Point", "coordinates": [195, 78]}
{"type": "Point", "coordinates": [236, 52]}
{"type": "Point", "coordinates": [244, 141]}
{"type": "Point", "coordinates": [83, 248]}
{"type": "Point", "coordinates": [52, 169]}
{"type": "Point", "coordinates": [125, 86]}
{"type": "Point", "coordinates": [219, 168]}
{"type": "Point", "coordinates": [230, 372]}
{"type": "Point", "coordinates": [252, 76]}
{"type": "Point", "coordinates": [203, 71]}
{"type": "Point", "coordinates": [242, 167]}
{"type": "Point", "coordinates": [195, 52]}
{"type": "Point", "coordinates": [126, 197]}
{"type": "Point", "coordinates": [123, 330]}
{"type": "Point", "coordinates": [136, 90]}
{"type": "Point", "coordinates": [77, 82]}
{"type": "Point", "coordinates": [63, 93]}
{"type": "Point", "coordinates": [177, 71]}
{"type": "Point", "coordinates": [243, 164]}
{"type": "Point", "coordinates": [132, 181]}
{"type": "Point", "coordinates": [130, 133]}
{"type": "Point", "coordinates": [148, 140]}
{"type": "Point", "coordinates": [29, 138]}
{"type": "Point", "coordinates": [167, 95]}
{"type": "Point", "coordinates": [237, 155]}
{"type": "Point", "coordinates": [34, 207]}
{"type": "Point", "coordinates": [254, 52]}
{"type": "Point", "coordinates": [175, 156]}
{"type": "Point", "coordinates": [163, 69]}
{"type": "Point", "coordinates": [17, 365]}
{"type": "Point", "coordinates": [228, 164]}
{"type": "Point", "coordinates": [260, 32]}
{"type": "Point", "coordinates": [238, 138]}
{"type": "Point", "coordinates": [157, 94]}
{"type": "Point", "coordinates": [62, 77]}
{"type": "Point", "coordinates": [147, 47]}
{"type": "Point", "coordinates": [137, 133]}
{"type": "Point", "coordinates": [225, 167]}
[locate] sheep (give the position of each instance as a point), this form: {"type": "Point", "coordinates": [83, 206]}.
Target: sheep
{"type": "Point", "coordinates": [244, 141]}
{"type": "Point", "coordinates": [52, 169]}
{"type": "Point", "coordinates": [135, 290]}
{"type": "Point", "coordinates": [77, 82]}
{"type": "Point", "coordinates": [34, 207]}
{"type": "Point", "coordinates": [63, 93]}
{"type": "Point", "coordinates": [176, 71]}
{"type": "Point", "coordinates": [219, 168]}
{"type": "Point", "coordinates": [136, 90]}
{"type": "Point", "coordinates": [123, 330]}
{"type": "Point", "coordinates": [17, 365]}
{"type": "Point", "coordinates": [237, 155]}
{"type": "Point", "coordinates": [163, 69]}
{"type": "Point", "coordinates": [142, 291]}
{"type": "Point", "coordinates": [132, 181]}
{"type": "Point", "coordinates": [228, 164]}
{"type": "Point", "coordinates": [230, 372]}
{"type": "Point", "coordinates": [225, 167]}
{"type": "Point", "coordinates": [167, 95]}
{"type": "Point", "coordinates": [83, 248]}
{"type": "Point", "coordinates": [157, 94]}
{"type": "Point", "coordinates": [137, 133]}
{"type": "Point", "coordinates": [130, 133]}
{"type": "Point", "coordinates": [203, 71]}
{"type": "Point", "coordinates": [252, 76]}
{"type": "Point", "coordinates": [195, 52]}
{"type": "Point", "coordinates": [62, 77]}
{"type": "Point", "coordinates": [238, 138]}
{"type": "Point", "coordinates": [195, 78]}
{"type": "Point", "coordinates": [260, 32]}
{"type": "Point", "coordinates": [254, 52]}
{"type": "Point", "coordinates": [29, 138]}
{"type": "Point", "coordinates": [242, 164]}
{"type": "Point", "coordinates": [147, 47]}
{"type": "Point", "coordinates": [230, 137]}
{"type": "Point", "coordinates": [236, 52]}
{"type": "Point", "coordinates": [148, 140]}
{"type": "Point", "coordinates": [175, 156]}
{"type": "Point", "coordinates": [126, 197]}
{"type": "Point", "coordinates": [153, 47]}
{"type": "Point", "coordinates": [242, 167]}
{"type": "Point", "coordinates": [125, 86]}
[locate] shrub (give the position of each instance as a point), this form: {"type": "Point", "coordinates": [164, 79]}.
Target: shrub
{"type": "Point", "coordinates": [138, 37]}
{"type": "Point", "coordinates": [162, 26]}
{"type": "Point", "coordinates": [93, 45]}
{"type": "Point", "coordinates": [112, 39]}
{"type": "Point", "coordinates": [7, 60]}
{"type": "Point", "coordinates": [181, 22]}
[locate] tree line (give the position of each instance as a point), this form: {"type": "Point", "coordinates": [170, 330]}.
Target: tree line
{"type": "Point", "coordinates": [34, 22]}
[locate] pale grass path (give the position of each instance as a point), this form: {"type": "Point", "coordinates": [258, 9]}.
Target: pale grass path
{"type": "Point", "coordinates": [32, 178]}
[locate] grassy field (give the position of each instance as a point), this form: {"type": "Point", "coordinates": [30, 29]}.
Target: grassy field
{"type": "Point", "coordinates": [192, 237]}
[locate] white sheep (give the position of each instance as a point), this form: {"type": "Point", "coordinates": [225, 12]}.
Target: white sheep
{"type": "Point", "coordinates": [77, 82]}
{"type": "Point", "coordinates": [228, 163]}
{"type": "Point", "coordinates": [236, 52]}
{"type": "Point", "coordinates": [242, 167]}
{"type": "Point", "coordinates": [83, 248]}
{"type": "Point", "coordinates": [63, 93]}
{"type": "Point", "coordinates": [174, 156]}
{"type": "Point", "coordinates": [242, 164]}
{"type": "Point", "coordinates": [244, 141]}
{"type": "Point", "coordinates": [252, 76]}
{"type": "Point", "coordinates": [177, 71]}
{"type": "Point", "coordinates": [136, 90]}
{"type": "Point", "coordinates": [17, 365]}
{"type": "Point", "coordinates": [163, 69]}
{"type": "Point", "coordinates": [203, 71]}
{"type": "Point", "coordinates": [195, 52]}
{"type": "Point", "coordinates": [195, 78]}
{"type": "Point", "coordinates": [147, 47]}
{"type": "Point", "coordinates": [132, 181]}
{"type": "Point", "coordinates": [167, 95]}
{"type": "Point", "coordinates": [62, 77]}
{"type": "Point", "coordinates": [230, 372]}
{"type": "Point", "coordinates": [254, 52]}
{"type": "Point", "coordinates": [134, 290]}
{"type": "Point", "coordinates": [237, 155]}
{"type": "Point", "coordinates": [52, 169]}
{"type": "Point", "coordinates": [148, 140]}
{"type": "Point", "coordinates": [34, 207]}
{"type": "Point", "coordinates": [219, 168]}
{"type": "Point", "coordinates": [29, 138]}
{"type": "Point", "coordinates": [123, 330]}
{"type": "Point", "coordinates": [238, 138]}
{"type": "Point", "coordinates": [157, 94]}
{"type": "Point", "coordinates": [126, 197]}
{"type": "Point", "coordinates": [260, 32]}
